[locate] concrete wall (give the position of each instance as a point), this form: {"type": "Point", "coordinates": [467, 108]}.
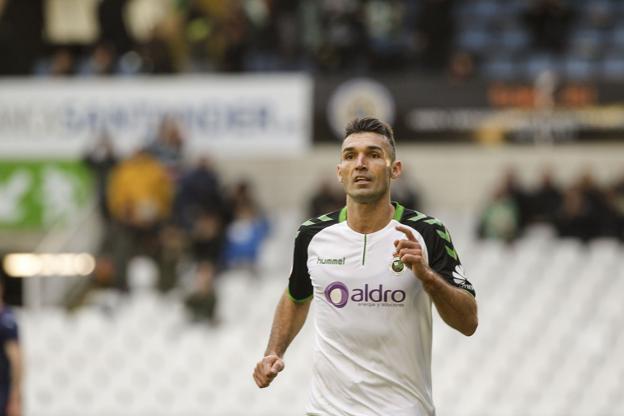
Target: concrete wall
{"type": "Point", "coordinates": [453, 177]}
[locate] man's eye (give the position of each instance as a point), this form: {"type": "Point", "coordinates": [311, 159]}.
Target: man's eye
{"type": "Point", "coordinates": [348, 156]}
{"type": "Point", "coordinates": [375, 155]}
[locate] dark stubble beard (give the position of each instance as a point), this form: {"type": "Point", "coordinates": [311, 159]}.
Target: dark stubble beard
{"type": "Point", "coordinates": [370, 198]}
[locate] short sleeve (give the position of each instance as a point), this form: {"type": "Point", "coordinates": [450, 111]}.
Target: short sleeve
{"type": "Point", "coordinates": [444, 260]}
{"type": "Point", "coordinates": [299, 283]}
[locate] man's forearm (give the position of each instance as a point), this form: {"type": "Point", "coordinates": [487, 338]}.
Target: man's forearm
{"type": "Point", "coordinates": [287, 322]}
{"type": "Point", "coordinates": [457, 307]}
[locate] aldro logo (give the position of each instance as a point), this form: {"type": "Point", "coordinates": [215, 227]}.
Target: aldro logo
{"type": "Point", "coordinates": [339, 295]}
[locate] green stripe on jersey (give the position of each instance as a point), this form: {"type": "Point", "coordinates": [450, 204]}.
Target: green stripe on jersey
{"type": "Point", "coordinates": [343, 215]}
{"type": "Point", "coordinates": [451, 252]}
{"type": "Point", "coordinates": [418, 217]}
{"type": "Point", "coordinates": [297, 300]}
{"type": "Point", "coordinates": [398, 212]}
{"type": "Point", "coordinates": [434, 221]}
{"type": "Point", "coordinates": [445, 235]}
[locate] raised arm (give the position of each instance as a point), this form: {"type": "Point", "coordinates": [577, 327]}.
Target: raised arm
{"type": "Point", "coordinates": [287, 322]}
{"type": "Point", "coordinates": [456, 306]}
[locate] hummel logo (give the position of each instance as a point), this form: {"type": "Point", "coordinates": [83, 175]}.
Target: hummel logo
{"type": "Point", "coordinates": [338, 262]}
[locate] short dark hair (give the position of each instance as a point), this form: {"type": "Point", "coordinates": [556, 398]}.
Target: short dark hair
{"type": "Point", "coordinates": [372, 125]}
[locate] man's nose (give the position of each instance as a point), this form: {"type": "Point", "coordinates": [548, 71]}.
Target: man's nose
{"type": "Point", "coordinates": [361, 161]}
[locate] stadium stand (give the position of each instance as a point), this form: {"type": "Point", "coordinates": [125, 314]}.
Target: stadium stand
{"type": "Point", "coordinates": [549, 342]}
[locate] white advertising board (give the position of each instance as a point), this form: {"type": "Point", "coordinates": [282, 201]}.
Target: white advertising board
{"type": "Point", "coordinates": [242, 115]}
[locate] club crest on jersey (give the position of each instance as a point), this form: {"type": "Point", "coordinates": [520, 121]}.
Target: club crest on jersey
{"type": "Point", "coordinates": [397, 266]}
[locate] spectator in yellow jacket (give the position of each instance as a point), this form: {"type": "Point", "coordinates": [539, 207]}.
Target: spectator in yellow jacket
{"type": "Point", "coordinates": [140, 195]}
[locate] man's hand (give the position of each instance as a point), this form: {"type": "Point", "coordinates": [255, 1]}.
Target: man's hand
{"type": "Point", "coordinates": [267, 369]}
{"type": "Point", "coordinates": [410, 253]}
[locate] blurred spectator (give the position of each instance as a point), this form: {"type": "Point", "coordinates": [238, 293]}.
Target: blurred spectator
{"type": "Point", "coordinates": [11, 366]}
{"type": "Point", "coordinates": [62, 64]}
{"type": "Point", "coordinates": [140, 193]}
{"type": "Point", "coordinates": [101, 159]}
{"type": "Point", "coordinates": [199, 210]}
{"type": "Point", "coordinates": [326, 199]}
{"type": "Point", "coordinates": [500, 219]}
{"type": "Point", "coordinates": [264, 36]}
{"type": "Point", "coordinates": [205, 33]}
{"type": "Point", "coordinates": [101, 61]}
{"type": "Point", "coordinates": [549, 22]}
{"type": "Point", "coordinates": [236, 38]}
{"type": "Point", "coordinates": [167, 146]}
{"type": "Point", "coordinates": [386, 34]}
{"type": "Point", "coordinates": [206, 244]}
{"type": "Point", "coordinates": [247, 230]}
{"type": "Point", "coordinates": [156, 56]}
{"type": "Point", "coordinates": [545, 200]}
{"type": "Point", "coordinates": [574, 219]}
{"type": "Point", "coordinates": [285, 17]}
{"type": "Point", "coordinates": [199, 192]}
{"type": "Point", "coordinates": [113, 29]}
{"type": "Point", "coordinates": [521, 200]}
{"type": "Point", "coordinates": [435, 32]}
{"type": "Point", "coordinates": [596, 202]}
{"type": "Point", "coordinates": [344, 44]}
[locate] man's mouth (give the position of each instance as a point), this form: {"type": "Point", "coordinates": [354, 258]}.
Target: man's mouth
{"type": "Point", "coordinates": [359, 179]}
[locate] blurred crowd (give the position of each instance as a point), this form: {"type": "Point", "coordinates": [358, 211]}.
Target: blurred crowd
{"type": "Point", "coordinates": [264, 35]}
{"type": "Point", "coordinates": [154, 204]}
{"type": "Point", "coordinates": [584, 210]}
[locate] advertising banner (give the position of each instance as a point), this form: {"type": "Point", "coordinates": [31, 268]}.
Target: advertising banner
{"type": "Point", "coordinates": [37, 194]}
{"type": "Point", "coordinates": [438, 110]}
{"type": "Point", "coordinates": [222, 115]}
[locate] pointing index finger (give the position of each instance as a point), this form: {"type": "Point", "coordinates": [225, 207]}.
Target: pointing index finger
{"type": "Point", "coordinates": [406, 231]}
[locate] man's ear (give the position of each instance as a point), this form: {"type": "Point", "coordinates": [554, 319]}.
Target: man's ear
{"type": "Point", "coordinates": [338, 175]}
{"type": "Point", "coordinates": [395, 169]}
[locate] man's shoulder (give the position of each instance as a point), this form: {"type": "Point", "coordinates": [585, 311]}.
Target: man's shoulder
{"type": "Point", "coordinates": [428, 226]}
{"type": "Point", "coordinates": [421, 222]}
{"type": "Point", "coordinates": [313, 225]}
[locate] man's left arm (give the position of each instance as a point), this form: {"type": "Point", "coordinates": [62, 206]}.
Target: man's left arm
{"type": "Point", "coordinates": [456, 306]}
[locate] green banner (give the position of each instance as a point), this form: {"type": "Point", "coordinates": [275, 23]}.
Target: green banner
{"type": "Point", "coordinates": [37, 194]}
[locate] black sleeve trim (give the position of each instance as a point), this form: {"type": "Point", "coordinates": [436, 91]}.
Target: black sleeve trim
{"type": "Point", "coordinates": [443, 258]}
{"type": "Point", "coordinates": [299, 283]}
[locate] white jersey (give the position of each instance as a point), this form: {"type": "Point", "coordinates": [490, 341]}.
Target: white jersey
{"type": "Point", "coordinates": [372, 351]}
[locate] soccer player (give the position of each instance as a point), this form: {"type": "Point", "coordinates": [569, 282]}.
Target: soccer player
{"type": "Point", "coordinates": [373, 269]}
{"type": "Point", "coordinates": [10, 362]}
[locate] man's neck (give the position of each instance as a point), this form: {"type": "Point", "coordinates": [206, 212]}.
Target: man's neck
{"type": "Point", "coordinates": [368, 218]}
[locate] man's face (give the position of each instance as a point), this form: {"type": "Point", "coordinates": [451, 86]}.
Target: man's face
{"type": "Point", "coordinates": [366, 168]}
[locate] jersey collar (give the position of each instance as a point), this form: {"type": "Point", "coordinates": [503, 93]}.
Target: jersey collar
{"type": "Point", "coordinates": [398, 212]}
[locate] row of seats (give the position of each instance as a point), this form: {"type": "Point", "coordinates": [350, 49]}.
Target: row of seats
{"type": "Point", "coordinates": [574, 68]}
{"type": "Point", "coordinates": [494, 32]}
{"type": "Point", "coordinates": [548, 342]}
